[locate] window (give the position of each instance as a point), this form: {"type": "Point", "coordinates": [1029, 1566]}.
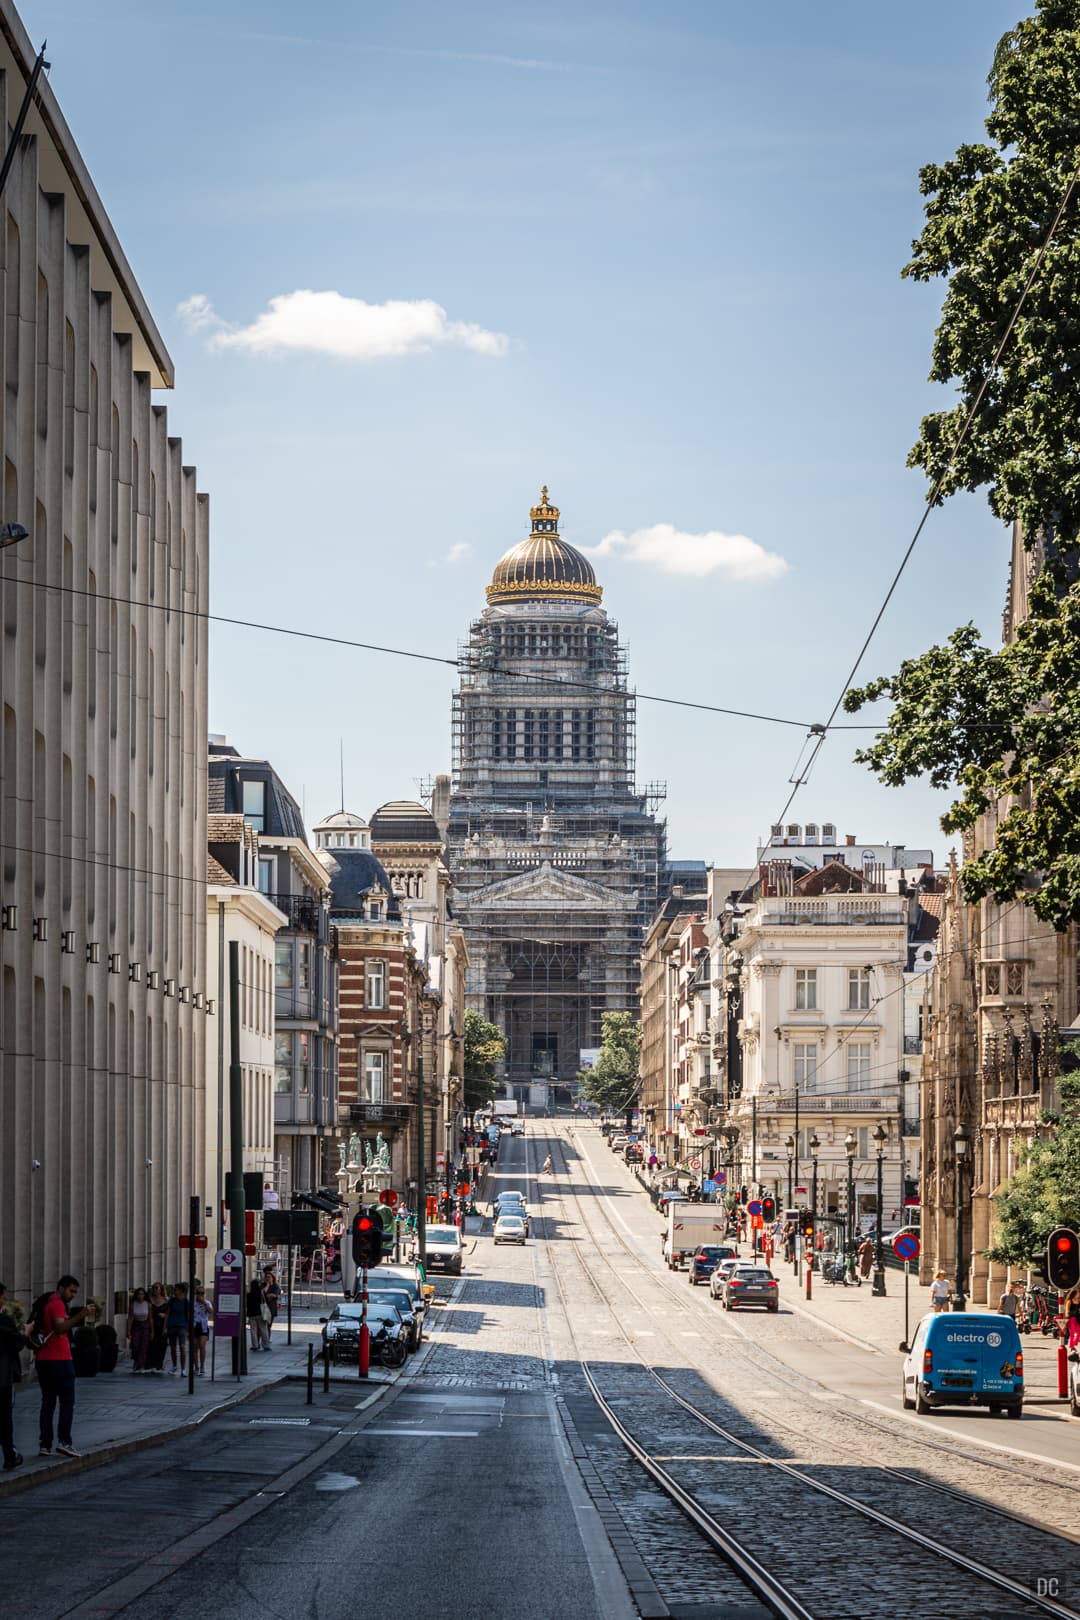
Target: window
{"type": "Point", "coordinates": [282, 1064]}
{"type": "Point", "coordinates": [303, 1061]}
{"type": "Point", "coordinates": [254, 804]}
{"type": "Point", "coordinates": [806, 1065]}
{"type": "Point", "coordinates": [303, 978]}
{"type": "Point", "coordinates": [374, 1076]}
{"type": "Point", "coordinates": [283, 964]}
{"type": "Point", "coordinates": [858, 1066]}
{"type": "Point", "coordinates": [374, 911]}
{"type": "Point", "coordinates": [864, 1141]}
{"type": "Point", "coordinates": [266, 875]}
{"type": "Point", "coordinates": [858, 989]}
{"type": "Point", "coordinates": [375, 986]}
{"type": "Point", "coordinates": [806, 989]}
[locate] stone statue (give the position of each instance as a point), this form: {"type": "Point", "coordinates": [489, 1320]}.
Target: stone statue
{"type": "Point", "coordinates": [382, 1153]}
{"type": "Point", "coordinates": [353, 1155]}
{"type": "Point", "coordinates": [367, 1155]}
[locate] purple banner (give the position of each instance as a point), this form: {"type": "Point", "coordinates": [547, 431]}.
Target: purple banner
{"type": "Point", "coordinates": [228, 1305]}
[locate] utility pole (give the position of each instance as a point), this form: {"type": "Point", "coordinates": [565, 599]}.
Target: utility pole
{"type": "Point", "coordinates": [237, 1211]}
{"type": "Point", "coordinates": [421, 1173]}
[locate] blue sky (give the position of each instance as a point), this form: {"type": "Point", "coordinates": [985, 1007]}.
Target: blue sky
{"type": "Point", "coordinates": [647, 255]}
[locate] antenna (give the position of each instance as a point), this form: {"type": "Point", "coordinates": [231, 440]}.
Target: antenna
{"type": "Point", "coordinates": [341, 752]}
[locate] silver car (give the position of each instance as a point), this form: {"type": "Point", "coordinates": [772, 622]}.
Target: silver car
{"type": "Point", "coordinates": [752, 1286]}
{"type": "Point", "coordinates": [509, 1229]}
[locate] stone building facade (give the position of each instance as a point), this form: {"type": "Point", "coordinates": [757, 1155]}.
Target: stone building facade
{"type": "Point", "coordinates": [557, 858]}
{"type": "Point", "coordinates": [103, 676]}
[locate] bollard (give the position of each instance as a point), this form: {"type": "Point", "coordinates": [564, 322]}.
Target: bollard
{"type": "Point", "coordinates": [809, 1282]}
{"type": "Point", "coordinates": [310, 1374]}
{"type": "Point", "coordinates": [1063, 1371]}
{"type": "Point", "coordinates": [326, 1369]}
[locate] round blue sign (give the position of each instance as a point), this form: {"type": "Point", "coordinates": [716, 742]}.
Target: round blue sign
{"type": "Point", "coordinates": [906, 1246]}
{"type": "Point", "coordinates": [754, 1207]}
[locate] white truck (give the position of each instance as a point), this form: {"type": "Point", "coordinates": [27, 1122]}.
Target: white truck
{"type": "Point", "coordinates": [688, 1227]}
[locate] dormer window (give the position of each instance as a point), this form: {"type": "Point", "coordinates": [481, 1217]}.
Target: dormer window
{"type": "Point", "coordinates": [374, 911]}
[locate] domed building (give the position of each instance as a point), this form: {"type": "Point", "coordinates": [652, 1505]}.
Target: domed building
{"type": "Point", "coordinates": [556, 857]}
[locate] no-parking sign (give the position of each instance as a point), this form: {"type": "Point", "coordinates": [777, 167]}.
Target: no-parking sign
{"type": "Point", "coordinates": [906, 1246]}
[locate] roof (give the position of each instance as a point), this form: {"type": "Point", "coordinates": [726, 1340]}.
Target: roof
{"type": "Point", "coordinates": [216, 873]}
{"type": "Point", "coordinates": [404, 821]}
{"type": "Point", "coordinates": [543, 567]}
{"type": "Point", "coordinates": [342, 818]}
{"type": "Point", "coordinates": [227, 772]}
{"type": "Point", "coordinates": [353, 874]}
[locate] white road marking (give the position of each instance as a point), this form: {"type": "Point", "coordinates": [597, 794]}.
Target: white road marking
{"type": "Point", "coordinates": [991, 1445]}
{"type": "Point", "coordinates": [430, 1434]}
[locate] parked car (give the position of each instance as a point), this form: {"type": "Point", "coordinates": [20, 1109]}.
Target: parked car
{"type": "Point", "coordinates": [389, 1335]}
{"type": "Point", "coordinates": [445, 1249]}
{"type": "Point", "coordinates": [617, 1141]}
{"type": "Point", "coordinates": [512, 1204]}
{"type": "Point", "coordinates": [411, 1314]}
{"type": "Point", "coordinates": [724, 1271]}
{"type": "Point", "coordinates": [752, 1285]}
{"type": "Point", "coordinates": [407, 1277]}
{"type": "Point", "coordinates": [509, 1229]}
{"type": "Point", "coordinates": [708, 1257]}
{"type": "Point", "coordinates": [634, 1153]}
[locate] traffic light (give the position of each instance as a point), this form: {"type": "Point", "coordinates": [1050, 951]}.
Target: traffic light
{"type": "Point", "coordinates": [768, 1209]}
{"type": "Point", "coordinates": [744, 1194]}
{"type": "Point", "coordinates": [367, 1241]}
{"type": "Point", "coordinates": [806, 1225]}
{"type": "Point", "coordinates": [1063, 1259]}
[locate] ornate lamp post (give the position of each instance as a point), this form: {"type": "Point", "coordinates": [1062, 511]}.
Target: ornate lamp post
{"type": "Point", "coordinates": [851, 1147]}
{"type": "Point", "coordinates": [879, 1254]}
{"type": "Point", "coordinates": [961, 1142]}
{"type": "Point", "coordinates": [813, 1145]}
{"type": "Point", "coordinates": [790, 1145]}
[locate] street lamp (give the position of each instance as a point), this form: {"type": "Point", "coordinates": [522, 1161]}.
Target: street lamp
{"type": "Point", "coordinates": [11, 533]}
{"type": "Point", "coordinates": [851, 1147]}
{"type": "Point", "coordinates": [879, 1255]}
{"type": "Point", "coordinates": [790, 1145]}
{"type": "Point", "coordinates": [961, 1141]}
{"type": "Point", "coordinates": [813, 1145]}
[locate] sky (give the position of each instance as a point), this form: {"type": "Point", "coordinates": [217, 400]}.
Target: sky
{"type": "Point", "coordinates": [412, 262]}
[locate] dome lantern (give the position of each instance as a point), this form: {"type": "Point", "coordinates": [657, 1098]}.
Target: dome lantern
{"type": "Point", "coordinates": [543, 568]}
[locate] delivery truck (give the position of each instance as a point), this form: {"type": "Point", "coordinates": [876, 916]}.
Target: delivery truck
{"type": "Point", "coordinates": [688, 1227]}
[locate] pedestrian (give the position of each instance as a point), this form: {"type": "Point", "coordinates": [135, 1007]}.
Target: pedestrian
{"type": "Point", "coordinates": [200, 1330]}
{"type": "Point", "coordinates": [1070, 1310]}
{"type": "Point", "coordinates": [159, 1333]}
{"type": "Point", "coordinates": [138, 1330]}
{"type": "Point", "coordinates": [272, 1300]}
{"type": "Point", "coordinates": [1009, 1303]}
{"type": "Point", "coordinates": [866, 1257]}
{"type": "Point", "coordinates": [257, 1326]}
{"type": "Point", "coordinates": [12, 1344]}
{"type": "Point", "coordinates": [51, 1326]}
{"type": "Point", "coordinates": [940, 1292]}
{"type": "Point", "coordinates": [176, 1327]}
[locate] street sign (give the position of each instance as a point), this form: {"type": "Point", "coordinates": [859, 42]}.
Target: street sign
{"type": "Point", "coordinates": [720, 1177]}
{"type": "Point", "coordinates": [756, 1223]}
{"type": "Point", "coordinates": [754, 1207]}
{"type": "Point", "coordinates": [226, 1257]}
{"type": "Point", "coordinates": [695, 1164]}
{"type": "Point", "coordinates": [228, 1302]}
{"type": "Point", "coordinates": [200, 1240]}
{"type": "Point", "coordinates": [388, 1196]}
{"type": "Point", "coordinates": [906, 1246]}
{"type": "Point", "coordinates": [708, 1186]}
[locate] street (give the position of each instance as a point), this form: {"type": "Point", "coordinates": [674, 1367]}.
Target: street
{"type": "Point", "coordinates": [488, 1481]}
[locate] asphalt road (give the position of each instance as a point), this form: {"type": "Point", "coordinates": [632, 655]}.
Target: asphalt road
{"type": "Point", "coordinates": [454, 1493]}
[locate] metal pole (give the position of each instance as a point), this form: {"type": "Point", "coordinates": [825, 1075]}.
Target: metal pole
{"type": "Point", "coordinates": [879, 1256]}
{"type": "Point", "coordinates": [16, 134]}
{"type": "Point", "coordinates": [850, 1203]}
{"type": "Point", "coordinates": [310, 1374]}
{"type": "Point", "coordinates": [789, 1181]}
{"type": "Point", "coordinates": [193, 1228]}
{"type": "Point", "coordinates": [421, 1175]}
{"type": "Point", "coordinates": [364, 1345]}
{"type": "Point", "coordinates": [288, 1297]}
{"type": "Point", "coordinates": [959, 1296]}
{"type": "Point", "coordinates": [220, 1204]}
{"type": "Point", "coordinates": [796, 1137]}
{"type": "Point", "coordinates": [814, 1212]}
{"type": "Point", "coordinates": [753, 1141]}
{"type": "Point", "coordinates": [237, 1223]}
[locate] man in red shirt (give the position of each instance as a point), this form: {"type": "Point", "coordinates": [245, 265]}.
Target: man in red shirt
{"type": "Point", "coordinates": [55, 1368]}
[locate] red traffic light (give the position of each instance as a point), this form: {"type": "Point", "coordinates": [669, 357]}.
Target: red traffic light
{"type": "Point", "coordinates": [365, 1224]}
{"type": "Point", "coordinates": [1063, 1259]}
{"type": "Point", "coordinates": [1064, 1243]}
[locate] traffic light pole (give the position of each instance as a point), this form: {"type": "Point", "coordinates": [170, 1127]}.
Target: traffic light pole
{"type": "Point", "coordinates": [364, 1346]}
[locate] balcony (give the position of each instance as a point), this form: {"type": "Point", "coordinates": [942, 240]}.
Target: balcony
{"type": "Point", "coordinates": [813, 1102]}
{"type": "Point", "coordinates": [302, 910]}
{"type": "Point", "coordinates": [842, 910]}
{"type": "Point", "coordinates": [368, 1113]}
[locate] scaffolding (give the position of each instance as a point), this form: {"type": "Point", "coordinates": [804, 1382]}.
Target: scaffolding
{"type": "Point", "coordinates": [558, 860]}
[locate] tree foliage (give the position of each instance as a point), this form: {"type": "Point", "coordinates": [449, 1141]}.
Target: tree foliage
{"type": "Point", "coordinates": [613, 1082]}
{"type": "Point", "coordinates": [484, 1046]}
{"type": "Point", "coordinates": [1003, 727]}
{"type": "Point", "coordinates": [1045, 1191]}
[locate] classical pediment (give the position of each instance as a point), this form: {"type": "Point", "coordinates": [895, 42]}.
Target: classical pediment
{"type": "Point", "coordinates": [546, 888]}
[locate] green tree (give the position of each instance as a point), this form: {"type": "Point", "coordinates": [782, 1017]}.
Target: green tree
{"type": "Point", "coordinates": [484, 1046]}
{"type": "Point", "coordinates": [1005, 725]}
{"type": "Point", "coordinates": [1045, 1191]}
{"type": "Point", "coordinates": [613, 1082]}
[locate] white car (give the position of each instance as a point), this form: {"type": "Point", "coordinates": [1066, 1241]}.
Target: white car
{"type": "Point", "coordinates": [510, 1229]}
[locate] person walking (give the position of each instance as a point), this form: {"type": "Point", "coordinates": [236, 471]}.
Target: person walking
{"type": "Point", "coordinates": [1009, 1303]}
{"type": "Point", "coordinates": [176, 1326]}
{"type": "Point", "coordinates": [940, 1292]}
{"type": "Point", "coordinates": [12, 1344]}
{"type": "Point", "coordinates": [866, 1257]}
{"type": "Point", "coordinates": [138, 1330]}
{"type": "Point", "coordinates": [200, 1331]}
{"type": "Point", "coordinates": [257, 1324]}
{"type": "Point", "coordinates": [52, 1323]}
{"type": "Point", "coordinates": [159, 1332]}
{"type": "Point", "coordinates": [272, 1301]}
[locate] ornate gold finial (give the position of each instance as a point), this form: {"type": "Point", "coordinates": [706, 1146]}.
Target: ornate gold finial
{"type": "Point", "coordinates": [545, 516]}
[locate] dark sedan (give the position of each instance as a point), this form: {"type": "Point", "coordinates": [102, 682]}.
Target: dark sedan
{"type": "Point", "coordinates": [707, 1258]}
{"type": "Point", "coordinates": [389, 1335]}
{"type": "Point", "coordinates": [752, 1287]}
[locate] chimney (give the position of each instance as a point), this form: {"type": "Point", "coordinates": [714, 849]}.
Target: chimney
{"type": "Point", "coordinates": [849, 839]}
{"type": "Point", "coordinates": [440, 804]}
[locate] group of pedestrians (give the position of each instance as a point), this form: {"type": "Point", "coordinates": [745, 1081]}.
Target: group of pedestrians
{"type": "Point", "coordinates": [157, 1325]}
{"type": "Point", "coordinates": [48, 1334]}
{"type": "Point", "coordinates": [263, 1302]}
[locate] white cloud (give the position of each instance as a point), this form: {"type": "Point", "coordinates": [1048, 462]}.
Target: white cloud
{"type": "Point", "coordinates": [347, 328]}
{"type": "Point", "coordinates": [673, 551]}
{"type": "Point", "coordinates": [459, 551]}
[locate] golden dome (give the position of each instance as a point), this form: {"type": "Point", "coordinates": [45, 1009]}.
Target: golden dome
{"type": "Point", "coordinates": [543, 568]}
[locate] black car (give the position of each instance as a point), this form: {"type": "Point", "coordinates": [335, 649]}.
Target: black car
{"type": "Point", "coordinates": [399, 1298]}
{"type": "Point", "coordinates": [389, 1335]}
{"type": "Point", "coordinates": [707, 1258]}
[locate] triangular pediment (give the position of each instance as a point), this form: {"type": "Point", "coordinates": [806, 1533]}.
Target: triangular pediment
{"type": "Point", "coordinates": [546, 887]}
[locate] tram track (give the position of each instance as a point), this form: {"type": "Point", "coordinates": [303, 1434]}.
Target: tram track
{"type": "Point", "coordinates": [803, 1495]}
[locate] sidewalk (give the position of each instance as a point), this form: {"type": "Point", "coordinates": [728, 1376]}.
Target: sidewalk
{"type": "Point", "coordinates": [117, 1412]}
